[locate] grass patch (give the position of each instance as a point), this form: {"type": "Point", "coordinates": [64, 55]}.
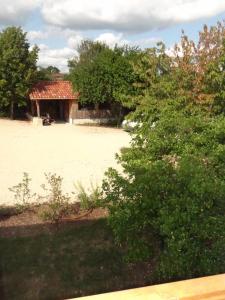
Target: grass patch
{"type": "Point", "coordinates": [73, 261]}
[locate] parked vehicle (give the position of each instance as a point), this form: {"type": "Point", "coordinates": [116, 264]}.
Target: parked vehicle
{"type": "Point", "coordinates": [128, 125]}
{"type": "Point", "coordinates": [47, 120]}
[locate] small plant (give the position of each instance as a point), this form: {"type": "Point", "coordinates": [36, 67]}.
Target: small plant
{"type": "Point", "coordinates": [90, 198]}
{"type": "Point", "coordinates": [22, 193]}
{"type": "Point", "coordinates": [57, 205]}
{"type": "Point", "coordinates": [7, 211]}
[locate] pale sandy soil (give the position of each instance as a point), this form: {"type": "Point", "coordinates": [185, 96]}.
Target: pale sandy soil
{"type": "Point", "coordinates": [77, 153]}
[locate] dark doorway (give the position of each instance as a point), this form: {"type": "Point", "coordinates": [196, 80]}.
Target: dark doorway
{"type": "Point", "coordinates": [55, 108]}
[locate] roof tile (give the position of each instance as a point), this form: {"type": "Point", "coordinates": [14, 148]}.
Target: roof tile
{"type": "Point", "coordinates": [53, 90]}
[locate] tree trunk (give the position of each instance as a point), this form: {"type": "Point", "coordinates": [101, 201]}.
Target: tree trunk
{"type": "Point", "coordinates": [12, 110]}
{"type": "Point", "coordinates": [119, 118]}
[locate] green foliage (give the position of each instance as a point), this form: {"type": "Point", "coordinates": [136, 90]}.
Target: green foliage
{"type": "Point", "coordinates": [90, 198]}
{"type": "Point", "coordinates": [57, 203]}
{"type": "Point", "coordinates": [3, 113]}
{"type": "Point", "coordinates": [54, 205]}
{"type": "Point", "coordinates": [22, 193]}
{"type": "Point", "coordinates": [52, 70]}
{"type": "Point", "coordinates": [17, 68]}
{"type": "Point", "coordinates": [47, 73]}
{"type": "Point", "coordinates": [102, 74]}
{"type": "Point", "coordinates": [192, 77]}
{"type": "Point", "coordinates": [171, 194]}
{"type": "Point", "coordinates": [215, 82]}
{"type": "Point", "coordinates": [8, 211]}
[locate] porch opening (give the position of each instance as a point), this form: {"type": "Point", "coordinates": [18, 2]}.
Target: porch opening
{"type": "Point", "coordinates": [57, 109]}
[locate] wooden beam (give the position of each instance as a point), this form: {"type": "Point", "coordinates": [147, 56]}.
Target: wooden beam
{"type": "Point", "coordinates": [38, 109]}
{"type": "Point", "coordinates": [32, 108]}
{"type": "Point", "coordinates": [61, 109]}
{"type": "Point", "coordinates": [205, 288]}
{"type": "Point", "coordinates": [73, 106]}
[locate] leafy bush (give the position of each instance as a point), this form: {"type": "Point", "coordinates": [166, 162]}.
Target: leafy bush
{"type": "Point", "coordinates": [89, 199]}
{"type": "Point", "coordinates": [57, 205]}
{"type": "Point", "coordinates": [22, 193]}
{"type": "Point", "coordinates": [7, 211]}
{"type": "Point", "coordinates": [3, 114]}
{"type": "Point", "coordinates": [170, 197]}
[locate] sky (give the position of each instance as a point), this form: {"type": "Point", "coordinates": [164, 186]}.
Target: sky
{"type": "Point", "coordinates": [58, 26]}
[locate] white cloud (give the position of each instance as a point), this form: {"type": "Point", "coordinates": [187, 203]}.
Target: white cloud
{"type": "Point", "coordinates": [119, 15]}
{"type": "Point", "coordinates": [16, 11]}
{"type": "Point", "coordinates": [109, 38]}
{"type": "Point", "coordinates": [60, 57]}
{"type": "Point", "coordinates": [55, 57]}
{"type": "Point", "coordinates": [127, 15]}
{"type": "Point", "coordinates": [74, 41]}
{"type": "Point", "coordinates": [72, 37]}
{"type": "Point", "coordinates": [58, 31]}
{"type": "Point", "coordinates": [112, 39]}
{"type": "Point", "coordinates": [171, 52]}
{"type": "Point", "coordinates": [37, 35]}
{"type": "Point", "coordinates": [146, 42]}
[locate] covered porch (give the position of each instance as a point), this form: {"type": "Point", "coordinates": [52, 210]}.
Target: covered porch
{"type": "Point", "coordinates": [59, 110]}
{"type": "Point", "coordinates": [61, 103]}
{"type": "Point", "coordinates": [53, 98]}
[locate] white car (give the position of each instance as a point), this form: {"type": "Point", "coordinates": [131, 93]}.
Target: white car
{"type": "Point", "coordinates": [131, 125]}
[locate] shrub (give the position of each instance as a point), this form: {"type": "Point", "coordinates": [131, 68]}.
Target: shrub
{"type": "Point", "coordinates": [22, 193]}
{"type": "Point", "coordinates": [170, 197]}
{"type": "Point", "coordinates": [7, 211]}
{"type": "Point", "coordinates": [89, 199]}
{"type": "Point", "coordinates": [57, 204]}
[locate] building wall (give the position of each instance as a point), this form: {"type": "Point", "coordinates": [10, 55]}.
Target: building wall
{"type": "Point", "coordinates": [87, 116]}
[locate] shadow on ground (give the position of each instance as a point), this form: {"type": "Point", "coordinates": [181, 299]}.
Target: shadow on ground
{"type": "Point", "coordinates": [77, 259]}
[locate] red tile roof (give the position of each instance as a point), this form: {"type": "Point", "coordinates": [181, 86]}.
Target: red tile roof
{"type": "Point", "coordinates": [53, 90]}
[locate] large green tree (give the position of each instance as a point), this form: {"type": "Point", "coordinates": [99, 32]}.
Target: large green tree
{"type": "Point", "coordinates": [17, 68]}
{"type": "Point", "coordinates": [193, 62]}
{"type": "Point", "coordinates": [169, 200]}
{"type": "Point", "coordinates": [102, 74]}
{"type": "Point", "coordinates": [192, 74]}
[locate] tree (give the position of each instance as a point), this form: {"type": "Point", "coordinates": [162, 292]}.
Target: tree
{"type": "Point", "coordinates": [17, 68]}
{"type": "Point", "coordinates": [155, 85]}
{"type": "Point", "coordinates": [102, 74]}
{"type": "Point", "coordinates": [192, 61]}
{"type": "Point", "coordinates": [215, 82]}
{"type": "Point", "coordinates": [52, 70]}
{"type": "Point", "coordinates": [192, 75]}
{"type": "Point", "coordinates": [169, 200]}
{"type": "Point", "coordinates": [47, 73]}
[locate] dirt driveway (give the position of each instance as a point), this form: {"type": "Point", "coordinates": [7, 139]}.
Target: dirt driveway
{"type": "Point", "coordinates": [77, 153]}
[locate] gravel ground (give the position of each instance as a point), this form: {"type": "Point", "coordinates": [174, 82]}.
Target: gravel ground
{"type": "Point", "coordinates": [77, 153]}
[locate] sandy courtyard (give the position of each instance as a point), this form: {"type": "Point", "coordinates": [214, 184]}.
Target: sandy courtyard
{"type": "Point", "coordinates": [77, 153]}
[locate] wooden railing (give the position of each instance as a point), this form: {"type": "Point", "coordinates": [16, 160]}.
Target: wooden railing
{"type": "Point", "coordinates": [205, 288]}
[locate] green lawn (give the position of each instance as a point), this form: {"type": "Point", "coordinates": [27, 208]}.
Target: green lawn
{"type": "Point", "coordinates": [70, 262]}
